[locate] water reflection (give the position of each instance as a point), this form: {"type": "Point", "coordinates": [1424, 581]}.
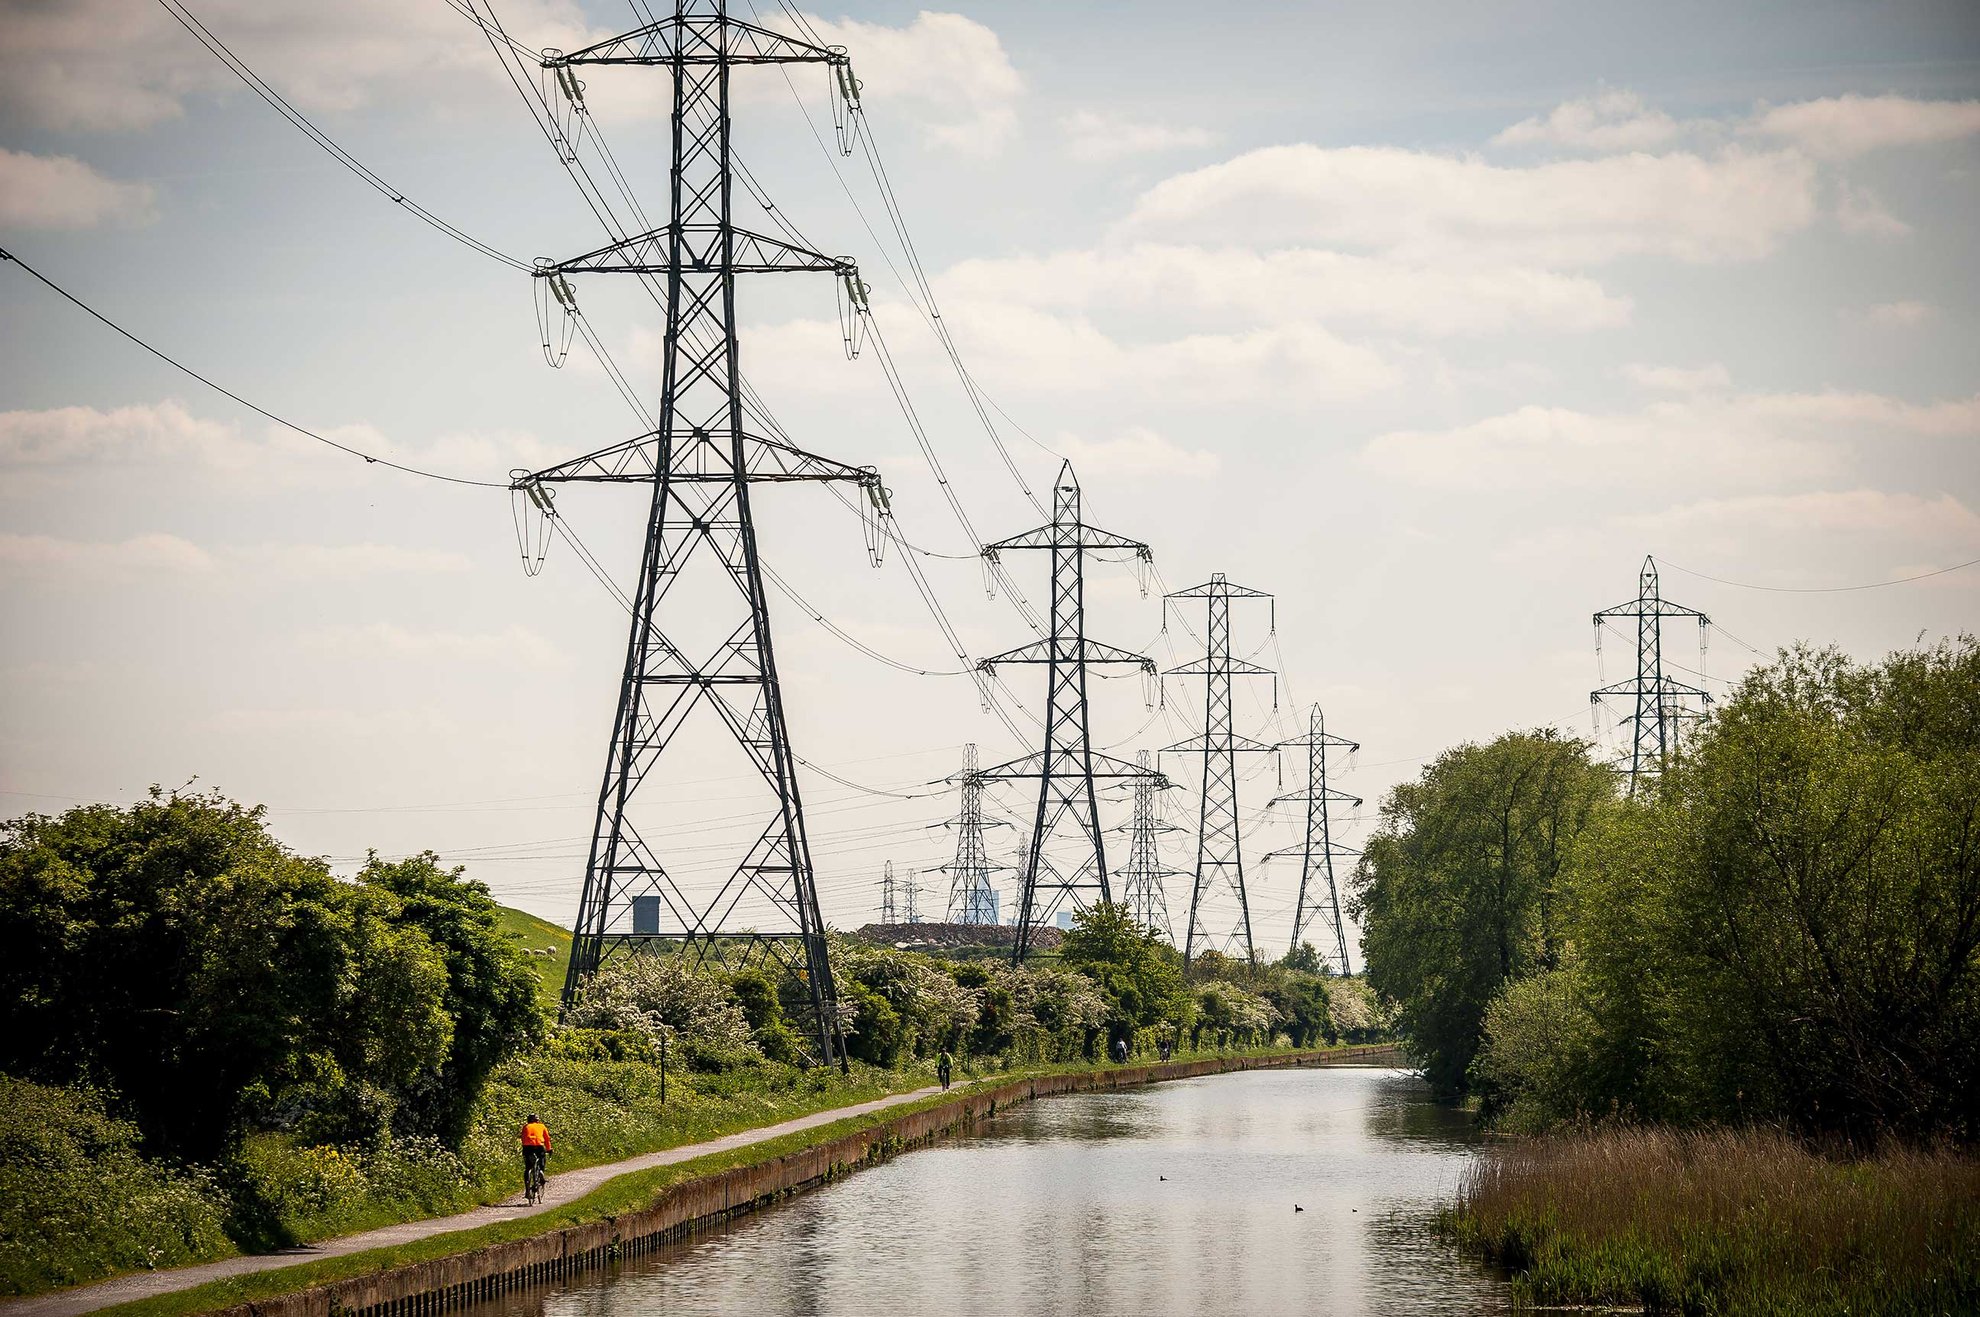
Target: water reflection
{"type": "Point", "coordinates": [1177, 1198]}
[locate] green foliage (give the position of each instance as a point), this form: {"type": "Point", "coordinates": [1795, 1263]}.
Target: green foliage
{"type": "Point", "coordinates": [488, 990]}
{"type": "Point", "coordinates": [1458, 891]}
{"type": "Point", "coordinates": [1139, 976]}
{"type": "Point", "coordinates": [1740, 1224]}
{"type": "Point", "coordinates": [78, 1201]}
{"type": "Point", "coordinates": [1789, 928]}
{"type": "Point", "coordinates": [668, 996]}
{"type": "Point", "coordinates": [176, 952]}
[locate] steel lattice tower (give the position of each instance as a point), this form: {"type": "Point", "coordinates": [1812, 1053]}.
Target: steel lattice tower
{"type": "Point", "coordinates": [706, 661]}
{"type": "Point", "coordinates": [1219, 848]}
{"type": "Point", "coordinates": [1661, 704]}
{"type": "Point", "coordinates": [888, 889]}
{"type": "Point", "coordinates": [971, 900]}
{"type": "Point", "coordinates": [912, 891]}
{"type": "Point", "coordinates": [1141, 882]}
{"type": "Point", "coordinates": [1317, 850]}
{"type": "Point", "coordinates": [1067, 767]}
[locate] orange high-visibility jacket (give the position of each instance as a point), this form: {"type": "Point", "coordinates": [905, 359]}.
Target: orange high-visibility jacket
{"type": "Point", "coordinates": [536, 1135]}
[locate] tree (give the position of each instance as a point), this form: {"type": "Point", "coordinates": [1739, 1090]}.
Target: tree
{"type": "Point", "coordinates": [1457, 892]}
{"type": "Point", "coordinates": [1790, 928]}
{"type": "Point", "coordinates": [1139, 977]}
{"type": "Point", "coordinates": [490, 990]}
{"type": "Point", "coordinates": [176, 952]}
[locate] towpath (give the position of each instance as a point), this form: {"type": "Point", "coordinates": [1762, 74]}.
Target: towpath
{"type": "Point", "coordinates": [562, 1188]}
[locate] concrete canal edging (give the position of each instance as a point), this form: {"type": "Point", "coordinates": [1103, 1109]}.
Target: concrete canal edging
{"type": "Point", "coordinates": [438, 1284]}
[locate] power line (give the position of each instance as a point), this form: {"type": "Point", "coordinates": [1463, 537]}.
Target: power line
{"type": "Point", "coordinates": [183, 369]}
{"type": "Point", "coordinates": [1821, 589]}
{"type": "Point", "coordinates": [275, 99]}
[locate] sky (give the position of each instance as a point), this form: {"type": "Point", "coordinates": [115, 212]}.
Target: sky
{"type": "Point", "coordinates": [1430, 319]}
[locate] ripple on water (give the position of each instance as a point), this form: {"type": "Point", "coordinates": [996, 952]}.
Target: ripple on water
{"type": "Point", "coordinates": [1061, 1206]}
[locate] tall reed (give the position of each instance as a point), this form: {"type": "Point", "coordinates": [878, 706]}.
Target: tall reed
{"type": "Point", "coordinates": [1741, 1223]}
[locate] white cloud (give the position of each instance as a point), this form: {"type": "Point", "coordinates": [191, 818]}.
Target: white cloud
{"type": "Point", "coordinates": [1900, 315]}
{"type": "Point", "coordinates": [1287, 285]}
{"type": "Point", "coordinates": [46, 556]}
{"type": "Point", "coordinates": [1858, 210]}
{"type": "Point", "coordinates": [161, 432]}
{"type": "Point", "coordinates": [1677, 379]}
{"type": "Point", "coordinates": [1609, 121]}
{"type": "Point", "coordinates": [1106, 135]}
{"type": "Point", "coordinates": [1842, 126]}
{"type": "Point", "coordinates": [115, 65]}
{"type": "Point", "coordinates": [1013, 347]}
{"type": "Point", "coordinates": [1748, 440]}
{"type": "Point", "coordinates": [947, 74]}
{"type": "Point", "coordinates": [515, 644]}
{"type": "Point", "coordinates": [61, 441]}
{"type": "Point", "coordinates": [60, 192]}
{"type": "Point", "coordinates": [1137, 451]}
{"type": "Point", "coordinates": [1734, 205]}
{"type": "Point", "coordinates": [1732, 525]}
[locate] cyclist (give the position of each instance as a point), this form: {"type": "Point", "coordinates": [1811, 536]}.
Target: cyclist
{"type": "Point", "coordinates": [535, 1140]}
{"type": "Point", "coordinates": [942, 1067]}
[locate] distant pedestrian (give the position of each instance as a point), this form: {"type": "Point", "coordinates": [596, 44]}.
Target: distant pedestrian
{"type": "Point", "coordinates": [943, 1065]}
{"type": "Point", "coordinates": [1120, 1051]}
{"type": "Point", "coordinates": [1163, 1049]}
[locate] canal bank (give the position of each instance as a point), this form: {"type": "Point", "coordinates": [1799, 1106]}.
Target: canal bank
{"type": "Point", "coordinates": [642, 1210]}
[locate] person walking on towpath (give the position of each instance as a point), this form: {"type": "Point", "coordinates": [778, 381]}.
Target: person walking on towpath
{"type": "Point", "coordinates": [943, 1063]}
{"type": "Point", "coordinates": [535, 1139]}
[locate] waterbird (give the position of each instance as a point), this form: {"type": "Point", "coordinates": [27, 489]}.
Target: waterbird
{"type": "Point", "coordinates": [1298, 1208]}
{"type": "Point", "coordinates": [1161, 1177]}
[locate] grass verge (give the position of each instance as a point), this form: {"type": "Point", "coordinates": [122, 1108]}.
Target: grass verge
{"type": "Point", "coordinates": [1729, 1223]}
{"type": "Point", "coordinates": [625, 1193]}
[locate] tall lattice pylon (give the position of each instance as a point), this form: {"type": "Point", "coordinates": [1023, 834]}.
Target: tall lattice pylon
{"type": "Point", "coordinates": [1142, 890]}
{"type": "Point", "coordinates": [1066, 768]}
{"type": "Point", "coordinates": [889, 894]}
{"type": "Point", "coordinates": [971, 898]}
{"type": "Point", "coordinates": [1660, 704]}
{"type": "Point", "coordinates": [700, 674]}
{"type": "Point", "coordinates": [1319, 896]}
{"type": "Point", "coordinates": [1219, 847]}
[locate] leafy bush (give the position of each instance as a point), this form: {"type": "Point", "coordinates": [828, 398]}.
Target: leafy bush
{"type": "Point", "coordinates": [78, 1201]}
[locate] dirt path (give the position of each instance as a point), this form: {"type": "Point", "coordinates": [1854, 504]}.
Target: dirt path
{"type": "Point", "coordinates": [562, 1188]}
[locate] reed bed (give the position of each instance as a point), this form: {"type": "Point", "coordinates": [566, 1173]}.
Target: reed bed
{"type": "Point", "coordinates": [1731, 1223]}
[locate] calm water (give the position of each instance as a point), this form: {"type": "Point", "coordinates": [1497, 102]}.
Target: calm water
{"type": "Point", "coordinates": [1060, 1207]}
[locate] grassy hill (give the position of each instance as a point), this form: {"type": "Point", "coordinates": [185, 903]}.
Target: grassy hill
{"type": "Point", "coordinates": [549, 948]}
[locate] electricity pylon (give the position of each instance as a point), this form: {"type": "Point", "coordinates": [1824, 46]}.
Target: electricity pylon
{"type": "Point", "coordinates": [912, 890]}
{"type": "Point", "coordinates": [1068, 765]}
{"type": "Point", "coordinates": [1661, 704]}
{"type": "Point", "coordinates": [708, 653]}
{"type": "Point", "coordinates": [971, 901]}
{"type": "Point", "coordinates": [889, 889]}
{"type": "Point", "coordinates": [1219, 848]}
{"type": "Point", "coordinates": [1141, 881]}
{"type": "Point", "coordinates": [1317, 850]}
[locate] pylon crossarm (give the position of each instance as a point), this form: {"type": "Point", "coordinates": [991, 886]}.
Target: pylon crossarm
{"type": "Point", "coordinates": [697, 456]}
{"type": "Point", "coordinates": [1089, 652]}
{"type": "Point", "coordinates": [1203, 745]}
{"type": "Point", "coordinates": [708, 248]}
{"type": "Point", "coordinates": [1323, 793]}
{"type": "Point", "coordinates": [1205, 667]}
{"type": "Point", "coordinates": [699, 39]}
{"type": "Point", "coordinates": [1078, 535]}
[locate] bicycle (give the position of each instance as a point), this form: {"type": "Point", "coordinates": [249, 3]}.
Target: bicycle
{"type": "Point", "coordinates": [533, 1182]}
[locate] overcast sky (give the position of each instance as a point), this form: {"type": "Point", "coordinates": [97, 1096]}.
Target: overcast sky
{"type": "Point", "coordinates": [1430, 319]}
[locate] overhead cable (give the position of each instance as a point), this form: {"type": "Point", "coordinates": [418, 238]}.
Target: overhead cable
{"type": "Point", "coordinates": [72, 299]}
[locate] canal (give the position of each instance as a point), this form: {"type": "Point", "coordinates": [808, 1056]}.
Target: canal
{"type": "Point", "coordinates": [1178, 1197]}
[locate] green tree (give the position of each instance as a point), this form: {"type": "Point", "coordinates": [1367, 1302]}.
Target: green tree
{"type": "Point", "coordinates": [1789, 928]}
{"type": "Point", "coordinates": [489, 991]}
{"type": "Point", "coordinates": [1458, 890]}
{"type": "Point", "coordinates": [1139, 976]}
{"type": "Point", "coordinates": [175, 952]}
